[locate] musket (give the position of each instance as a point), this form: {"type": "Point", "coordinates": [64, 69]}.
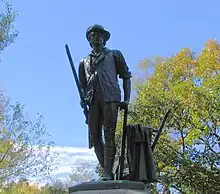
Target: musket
{"type": "Point", "coordinates": [82, 98]}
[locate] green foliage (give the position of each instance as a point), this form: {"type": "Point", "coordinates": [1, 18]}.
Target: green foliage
{"type": "Point", "coordinates": [54, 187]}
{"type": "Point", "coordinates": [7, 19]}
{"type": "Point", "coordinates": [23, 150]}
{"type": "Point", "coordinates": [21, 187]}
{"type": "Point", "coordinates": [24, 187]}
{"type": "Point", "coordinates": [187, 154]}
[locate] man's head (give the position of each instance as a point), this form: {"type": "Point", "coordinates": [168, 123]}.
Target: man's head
{"type": "Point", "coordinates": [97, 36]}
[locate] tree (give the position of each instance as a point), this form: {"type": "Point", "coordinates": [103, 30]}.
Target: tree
{"type": "Point", "coordinates": [21, 187]}
{"type": "Point", "coordinates": [23, 150]}
{"type": "Point", "coordinates": [84, 171]}
{"type": "Point", "coordinates": [187, 155]}
{"type": "Point", "coordinates": [55, 187]}
{"type": "Point", "coordinates": [7, 19]}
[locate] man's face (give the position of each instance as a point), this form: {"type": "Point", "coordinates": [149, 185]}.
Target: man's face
{"type": "Point", "coordinates": [96, 38]}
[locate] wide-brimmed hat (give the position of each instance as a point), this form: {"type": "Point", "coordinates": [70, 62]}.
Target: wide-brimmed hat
{"type": "Point", "coordinates": [98, 28]}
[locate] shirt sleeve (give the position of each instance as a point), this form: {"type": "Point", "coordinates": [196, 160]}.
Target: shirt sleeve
{"type": "Point", "coordinates": [82, 75]}
{"type": "Point", "coordinates": [121, 67]}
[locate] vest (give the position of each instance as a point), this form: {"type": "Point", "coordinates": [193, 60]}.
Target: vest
{"type": "Point", "coordinates": [103, 69]}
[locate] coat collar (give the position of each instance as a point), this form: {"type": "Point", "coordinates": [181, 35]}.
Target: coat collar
{"type": "Point", "coordinates": [96, 58]}
{"type": "Point", "coordinates": [93, 54]}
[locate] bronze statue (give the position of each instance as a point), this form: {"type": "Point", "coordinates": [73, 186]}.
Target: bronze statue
{"type": "Point", "coordinates": [98, 77]}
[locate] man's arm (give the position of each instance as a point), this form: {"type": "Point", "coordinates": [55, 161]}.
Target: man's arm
{"type": "Point", "coordinates": [123, 71]}
{"type": "Point", "coordinates": [127, 89]}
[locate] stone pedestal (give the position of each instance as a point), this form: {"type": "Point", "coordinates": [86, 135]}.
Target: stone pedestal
{"type": "Point", "coordinates": [109, 187]}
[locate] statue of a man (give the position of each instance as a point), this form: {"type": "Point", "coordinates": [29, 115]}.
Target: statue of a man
{"type": "Point", "coordinates": [98, 75]}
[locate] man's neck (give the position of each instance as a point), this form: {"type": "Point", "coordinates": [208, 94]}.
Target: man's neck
{"type": "Point", "coordinates": [98, 49]}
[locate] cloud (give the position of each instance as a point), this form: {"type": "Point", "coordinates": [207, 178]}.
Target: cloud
{"type": "Point", "coordinates": [70, 158]}
{"type": "Point", "coordinates": [72, 150]}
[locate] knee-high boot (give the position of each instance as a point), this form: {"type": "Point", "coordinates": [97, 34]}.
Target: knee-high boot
{"type": "Point", "coordinates": [109, 156]}
{"type": "Point", "coordinates": [99, 151]}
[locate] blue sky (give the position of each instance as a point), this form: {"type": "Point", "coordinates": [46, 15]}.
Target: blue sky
{"type": "Point", "coordinates": [35, 70]}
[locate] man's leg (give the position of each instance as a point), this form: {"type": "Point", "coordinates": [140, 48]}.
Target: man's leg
{"type": "Point", "coordinates": [95, 126]}
{"type": "Point", "coordinates": [110, 120]}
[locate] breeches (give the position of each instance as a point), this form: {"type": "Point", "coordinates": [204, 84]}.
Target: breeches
{"type": "Point", "coordinates": [103, 115]}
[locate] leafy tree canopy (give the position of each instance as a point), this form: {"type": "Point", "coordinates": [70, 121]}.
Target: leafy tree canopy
{"type": "Point", "coordinates": [187, 155]}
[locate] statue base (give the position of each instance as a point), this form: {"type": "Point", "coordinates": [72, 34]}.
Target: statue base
{"type": "Point", "coordinates": [109, 187]}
